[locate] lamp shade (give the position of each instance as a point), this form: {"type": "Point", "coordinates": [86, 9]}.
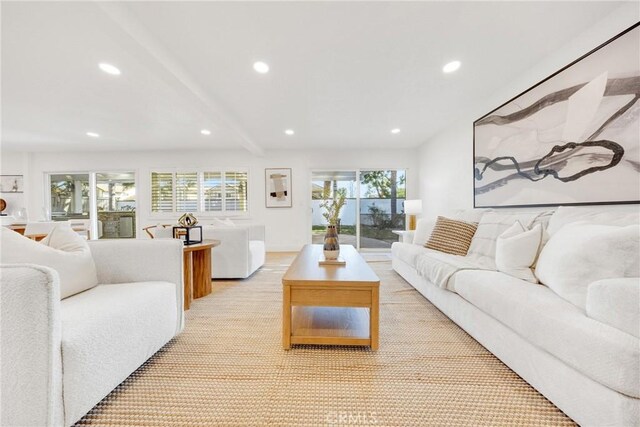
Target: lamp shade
{"type": "Point", "coordinates": [413, 207]}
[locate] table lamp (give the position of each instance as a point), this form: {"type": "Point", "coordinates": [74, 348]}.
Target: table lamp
{"type": "Point", "coordinates": [411, 209]}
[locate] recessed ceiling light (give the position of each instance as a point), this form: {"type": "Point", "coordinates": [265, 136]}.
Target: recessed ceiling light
{"type": "Point", "coordinates": [261, 67]}
{"type": "Point", "coordinates": [109, 69]}
{"type": "Point", "coordinates": [451, 67]}
{"type": "Point", "coordinates": [289, 131]}
{"type": "Point", "coordinates": [93, 135]}
{"type": "Point", "coordinates": [205, 132]}
{"type": "Point", "coordinates": [396, 130]}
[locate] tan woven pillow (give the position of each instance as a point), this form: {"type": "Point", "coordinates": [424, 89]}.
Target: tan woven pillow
{"type": "Point", "coordinates": [451, 236]}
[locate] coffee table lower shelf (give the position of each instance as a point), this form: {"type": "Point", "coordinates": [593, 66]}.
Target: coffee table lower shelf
{"type": "Point", "coordinates": [330, 326]}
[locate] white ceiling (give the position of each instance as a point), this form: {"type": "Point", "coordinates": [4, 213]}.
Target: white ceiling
{"type": "Point", "coordinates": [342, 74]}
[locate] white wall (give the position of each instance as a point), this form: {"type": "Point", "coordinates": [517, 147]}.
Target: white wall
{"type": "Point", "coordinates": [445, 161]}
{"type": "Point", "coordinates": [286, 229]}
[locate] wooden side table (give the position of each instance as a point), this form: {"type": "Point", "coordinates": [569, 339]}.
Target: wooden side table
{"type": "Point", "coordinates": [197, 270]}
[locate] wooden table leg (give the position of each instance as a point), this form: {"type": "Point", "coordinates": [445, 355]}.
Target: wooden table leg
{"type": "Point", "coordinates": [188, 279]}
{"type": "Point", "coordinates": [374, 317]}
{"type": "Point", "coordinates": [201, 273]}
{"type": "Point", "coordinates": [286, 317]}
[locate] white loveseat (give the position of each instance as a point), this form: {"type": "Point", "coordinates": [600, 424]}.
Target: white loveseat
{"type": "Point", "coordinates": [61, 357]}
{"type": "Point", "coordinates": [584, 363]}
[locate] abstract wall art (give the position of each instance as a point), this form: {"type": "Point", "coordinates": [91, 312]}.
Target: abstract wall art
{"type": "Point", "coordinates": [572, 139]}
{"type": "Point", "coordinates": [278, 188]}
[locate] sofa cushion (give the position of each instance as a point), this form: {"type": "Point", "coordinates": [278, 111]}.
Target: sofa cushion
{"type": "Point", "coordinates": [451, 236]}
{"type": "Point", "coordinates": [620, 216]}
{"type": "Point", "coordinates": [424, 227]}
{"type": "Point", "coordinates": [601, 352]}
{"type": "Point", "coordinates": [407, 252]}
{"type": "Point", "coordinates": [616, 302]}
{"type": "Point", "coordinates": [517, 249]}
{"type": "Point", "coordinates": [492, 224]}
{"type": "Point", "coordinates": [579, 254]}
{"type": "Point", "coordinates": [63, 250]}
{"type": "Point", "coordinates": [107, 333]}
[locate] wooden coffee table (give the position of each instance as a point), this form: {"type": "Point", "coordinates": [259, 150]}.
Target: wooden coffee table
{"type": "Point", "coordinates": [331, 304]}
{"type": "Point", "coordinates": [197, 270]}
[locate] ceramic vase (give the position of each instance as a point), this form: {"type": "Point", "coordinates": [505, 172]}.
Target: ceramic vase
{"type": "Point", "coordinates": [331, 244]}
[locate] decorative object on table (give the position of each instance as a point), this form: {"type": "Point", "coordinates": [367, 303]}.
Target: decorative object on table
{"type": "Point", "coordinates": [331, 243]}
{"type": "Point", "coordinates": [278, 188]}
{"type": "Point", "coordinates": [3, 206]}
{"type": "Point", "coordinates": [185, 234]}
{"type": "Point", "coordinates": [411, 209]}
{"type": "Point", "coordinates": [11, 183]}
{"type": "Point", "coordinates": [338, 261]}
{"type": "Point", "coordinates": [571, 139]}
{"type": "Point", "coordinates": [187, 220]}
{"type": "Point", "coordinates": [332, 206]}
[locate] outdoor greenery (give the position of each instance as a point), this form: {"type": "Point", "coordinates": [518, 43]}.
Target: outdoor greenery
{"type": "Point", "coordinates": [333, 205]}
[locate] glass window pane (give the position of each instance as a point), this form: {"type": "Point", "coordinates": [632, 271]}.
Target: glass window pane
{"type": "Point", "coordinates": [116, 205]}
{"type": "Point", "coordinates": [69, 196]}
{"type": "Point", "coordinates": [212, 191]}
{"type": "Point", "coordinates": [382, 195]}
{"type": "Point", "coordinates": [235, 184]}
{"type": "Point", "coordinates": [186, 192]}
{"type": "Point", "coordinates": [161, 191]}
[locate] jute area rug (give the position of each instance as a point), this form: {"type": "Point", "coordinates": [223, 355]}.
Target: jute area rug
{"type": "Point", "coordinates": [228, 369]}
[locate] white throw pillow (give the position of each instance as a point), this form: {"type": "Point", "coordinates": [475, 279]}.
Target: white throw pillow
{"type": "Point", "coordinates": [517, 249]}
{"type": "Point", "coordinates": [424, 227]}
{"type": "Point", "coordinates": [63, 250]}
{"type": "Point", "coordinates": [492, 225]}
{"type": "Point", "coordinates": [579, 254]}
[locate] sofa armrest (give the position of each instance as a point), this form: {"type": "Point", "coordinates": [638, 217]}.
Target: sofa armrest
{"type": "Point", "coordinates": [616, 302]}
{"type": "Point", "coordinates": [31, 349]}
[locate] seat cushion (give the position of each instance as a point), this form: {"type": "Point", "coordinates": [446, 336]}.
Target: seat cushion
{"type": "Point", "coordinates": [107, 333]}
{"type": "Point", "coordinates": [408, 252]}
{"type": "Point", "coordinates": [601, 352]}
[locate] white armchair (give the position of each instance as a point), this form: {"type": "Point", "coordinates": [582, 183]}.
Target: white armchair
{"type": "Point", "coordinates": [241, 251]}
{"type": "Point", "coordinates": [60, 358]}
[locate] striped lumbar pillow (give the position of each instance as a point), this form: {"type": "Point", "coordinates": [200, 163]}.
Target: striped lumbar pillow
{"type": "Point", "coordinates": [451, 236]}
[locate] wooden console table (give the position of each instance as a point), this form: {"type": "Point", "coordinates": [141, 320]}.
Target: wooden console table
{"type": "Point", "coordinates": [197, 270]}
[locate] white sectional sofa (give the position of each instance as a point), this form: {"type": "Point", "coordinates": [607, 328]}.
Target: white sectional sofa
{"type": "Point", "coordinates": [241, 252]}
{"type": "Point", "coordinates": [61, 357]}
{"type": "Point", "coordinates": [585, 361]}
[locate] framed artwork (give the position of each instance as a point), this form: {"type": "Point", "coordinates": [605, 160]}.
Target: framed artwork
{"type": "Point", "coordinates": [278, 188]}
{"type": "Point", "coordinates": [11, 184]}
{"type": "Point", "coordinates": [572, 139]}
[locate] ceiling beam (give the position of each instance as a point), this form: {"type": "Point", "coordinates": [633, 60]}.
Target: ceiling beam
{"type": "Point", "coordinates": [163, 61]}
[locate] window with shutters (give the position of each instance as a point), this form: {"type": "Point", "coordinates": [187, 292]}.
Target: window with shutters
{"type": "Point", "coordinates": [201, 191]}
{"type": "Point", "coordinates": [161, 192]}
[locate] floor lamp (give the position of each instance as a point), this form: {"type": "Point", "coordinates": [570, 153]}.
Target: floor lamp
{"type": "Point", "coordinates": [411, 209]}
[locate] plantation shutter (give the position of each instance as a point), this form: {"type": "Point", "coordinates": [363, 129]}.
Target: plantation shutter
{"type": "Point", "coordinates": [187, 192]}
{"type": "Point", "coordinates": [212, 191]}
{"type": "Point", "coordinates": [235, 189]}
{"type": "Point", "coordinates": [161, 192]}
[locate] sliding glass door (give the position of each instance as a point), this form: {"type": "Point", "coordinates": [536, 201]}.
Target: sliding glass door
{"type": "Point", "coordinates": [102, 203]}
{"type": "Point", "coordinates": [373, 206]}
{"type": "Point", "coordinates": [328, 187]}
{"type": "Point", "coordinates": [382, 195]}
